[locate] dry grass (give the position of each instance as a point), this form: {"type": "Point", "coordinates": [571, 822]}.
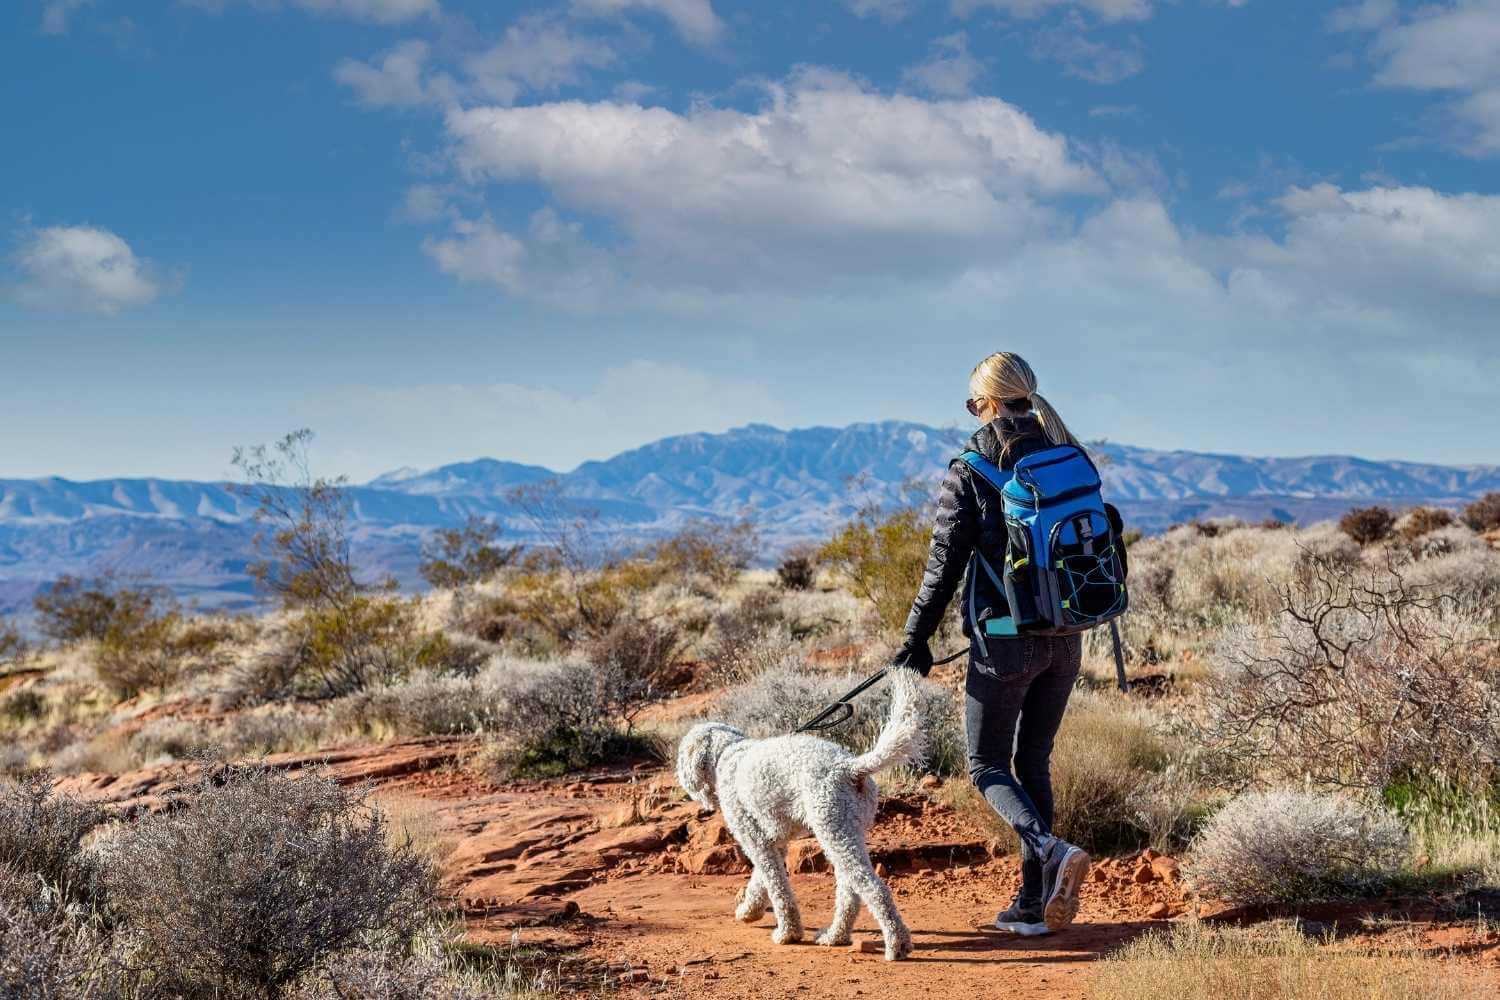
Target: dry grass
{"type": "Point", "coordinates": [413, 821]}
{"type": "Point", "coordinates": [1275, 962]}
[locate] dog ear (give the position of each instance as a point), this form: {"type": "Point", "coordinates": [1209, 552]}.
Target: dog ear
{"type": "Point", "coordinates": [697, 756]}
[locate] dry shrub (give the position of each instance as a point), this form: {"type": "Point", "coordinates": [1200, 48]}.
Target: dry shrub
{"type": "Point", "coordinates": [1275, 961]}
{"type": "Point", "coordinates": [457, 558]}
{"type": "Point", "coordinates": [719, 552]}
{"type": "Point", "coordinates": [382, 976]}
{"type": "Point", "coordinates": [1483, 514]}
{"type": "Point", "coordinates": [13, 645]}
{"type": "Point", "coordinates": [642, 652]}
{"type": "Point", "coordinates": [780, 699]}
{"type": "Point", "coordinates": [73, 609]}
{"type": "Point", "coordinates": [1359, 681]}
{"type": "Point", "coordinates": [257, 879]}
{"type": "Point", "coordinates": [551, 717]}
{"type": "Point", "coordinates": [798, 569]}
{"type": "Point", "coordinates": [331, 651]}
{"type": "Point", "coordinates": [43, 958]}
{"type": "Point", "coordinates": [880, 556]}
{"type": "Point", "coordinates": [1295, 846]}
{"type": "Point", "coordinates": [425, 705]}
{"type": "Point", "coordinates": [749, 637]}
{"type": "Point", "coordinates": [23, 704]}
{"type": "Point", "coordinates": [1421, 521]}
{"type": "Point", "coordinates": [1106, 752]}
{"type": "Point", "coordinates": [1368, 525]}
{"type": "Point", "coordinates": [40, 834]}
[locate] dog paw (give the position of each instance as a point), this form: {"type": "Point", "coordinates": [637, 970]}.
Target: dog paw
{"type": "Point", "coordinates": [786, 935]}
{"type": "Point", "coordinates": [749, 914]}
{"type": "Point", "coordinates": [895, 951]}
{"type": "Point", "coordinates": [829, 939]}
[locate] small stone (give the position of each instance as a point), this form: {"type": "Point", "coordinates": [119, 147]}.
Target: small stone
{"type": "Point", "coordinates": [1143, 875]}
{"type": "Point", "coordinates": [865, 946]}
{"type": "Point", "coordinates": [1165, 868]}
{"type": "Point", "coordinates": [924, 873]}
{"type": "Point", "coordinates": [930, 782]}
{"type": "Point", "coordinates": [1158, 912]}
{"type": "Point", "coordinates": [881, 870]}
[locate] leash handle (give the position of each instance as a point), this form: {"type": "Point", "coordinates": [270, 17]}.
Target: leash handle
{"type": "Point", "coordinates": [842, 711]}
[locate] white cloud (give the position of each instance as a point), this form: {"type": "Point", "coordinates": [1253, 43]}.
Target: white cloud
{"type": "Point", "coordinates": [377, 11]}
{"type": "Point", "coordinates": [1081, 56]}
{"type": "Point", "coordinates": [826, 178]}
{"type": "Point", "coordinates": [56, 13]}
{"type": "Point", "coordinates": [81, 268]}
{"type": "Point", "coordinates": [950, 71]}
{"type": "Point", "coordinates": [887, 10]}
{"type": "Point", "coordinates": [694, 20]}
{"type": "Point", "coordinates": [626, 404]}
{"type": "Point", "coordinates": [1452, 48]}
{"type": "Point", "coordinates": [535, 55]}
{"type": "Point", "coordinates": [1105, 10]}
{"type": "Point", "coordinates": [399, 79]}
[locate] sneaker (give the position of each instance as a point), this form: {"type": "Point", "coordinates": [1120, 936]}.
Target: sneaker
{"type": "Point", "coordinates": [1063, 873]}
{"type": "Point", "coordinates": [1024, 919]}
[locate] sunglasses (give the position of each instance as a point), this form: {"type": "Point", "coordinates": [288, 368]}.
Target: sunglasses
{"type": "Point", "coordinates": [973, 405]}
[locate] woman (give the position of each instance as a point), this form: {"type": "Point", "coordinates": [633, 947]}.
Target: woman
{"type": "Point", "coordinates": [1016, 695]}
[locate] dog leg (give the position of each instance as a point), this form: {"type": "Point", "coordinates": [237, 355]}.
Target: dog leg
{"type": "Point", "coordinates": [851, 860]}
{"type": "Point", "coordinates": [770, 867]}
{"type": "Point", "coordinates": [753, 900]}
{"type": "Point", "coordinates": [845, 909]}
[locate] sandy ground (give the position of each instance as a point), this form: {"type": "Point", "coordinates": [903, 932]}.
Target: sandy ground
{"type": "Point", "coordinates": [611, 882]}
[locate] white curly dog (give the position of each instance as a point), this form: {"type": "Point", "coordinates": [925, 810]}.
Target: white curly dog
{"type": "Point", "coordinates": [773, 790]}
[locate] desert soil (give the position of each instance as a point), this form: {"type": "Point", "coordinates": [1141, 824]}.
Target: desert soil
{"type": "Point", "coordinates": [611, 881]}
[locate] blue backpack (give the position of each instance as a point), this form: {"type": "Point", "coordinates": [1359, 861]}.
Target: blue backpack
{"type": "Point", "coordinates": [1065, 565]}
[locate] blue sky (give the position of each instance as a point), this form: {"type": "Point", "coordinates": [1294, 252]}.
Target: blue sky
{"type": "Point", "coordinates": [433, 230]}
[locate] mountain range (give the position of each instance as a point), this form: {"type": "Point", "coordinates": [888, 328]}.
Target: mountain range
{"type": "Point", "coordinates": [197, 537]}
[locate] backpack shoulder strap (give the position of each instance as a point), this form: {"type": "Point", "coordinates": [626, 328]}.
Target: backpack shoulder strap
{"type": "Point", "coordinates": [989, 471]}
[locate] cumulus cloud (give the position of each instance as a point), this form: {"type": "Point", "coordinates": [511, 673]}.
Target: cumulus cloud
{"type": "Point", "coordinates": [827, 177]}
{"type": "Point", "coordinates": [535, 55]}
{"type": "Point", "coordinates": [950, 71]}
{"type": "Point", "coordinates": [1445, 48]}
{"type": "Point", "coordinates": [1105, 10]}
{"type": "Point", "coordinates": [81, 268]}
{"type": "Point", "coordinates": [695, 20]}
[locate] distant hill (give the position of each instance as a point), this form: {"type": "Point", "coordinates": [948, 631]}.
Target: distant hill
{"type": "Point", "coordinates": [797, 484]}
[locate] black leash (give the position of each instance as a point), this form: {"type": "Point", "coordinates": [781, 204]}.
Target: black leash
{"type": "Point", "coordinates": [842, 711]}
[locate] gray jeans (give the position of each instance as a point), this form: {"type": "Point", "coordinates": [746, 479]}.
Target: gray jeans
{"type": "Point", "coordinates": [1014, 704]}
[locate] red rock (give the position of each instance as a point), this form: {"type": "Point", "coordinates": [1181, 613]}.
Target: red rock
{"type": "Point", "coordinates": [1143, 874]}
{"type": "Point", "coordinates": [930, 782]}
{"type": "Point", "coordinates": [1158, 912]}
{"type": "Point", "coordinates": [1166, 869]}
{"type": "Point", "coordinates": [806, 856]}
{"type": "Point", "coordinates": [722, 860]}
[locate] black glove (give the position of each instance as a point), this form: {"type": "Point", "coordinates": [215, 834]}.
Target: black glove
{"type": "Point", "coordinates": [916, 656]}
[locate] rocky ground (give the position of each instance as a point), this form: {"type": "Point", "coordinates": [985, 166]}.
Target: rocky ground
{"type": "Point", "coordinates": [612, 880]}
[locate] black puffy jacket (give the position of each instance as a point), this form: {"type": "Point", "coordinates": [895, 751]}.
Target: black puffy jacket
{"type": "Point", "coordinates": [970, 513]}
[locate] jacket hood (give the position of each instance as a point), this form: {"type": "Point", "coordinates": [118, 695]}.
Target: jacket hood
{"type": "Point", "coordinates": [1024, 432]}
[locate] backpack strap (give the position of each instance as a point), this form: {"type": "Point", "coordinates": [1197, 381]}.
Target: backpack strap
{"type": "Point", "coordinates": [989, 471]}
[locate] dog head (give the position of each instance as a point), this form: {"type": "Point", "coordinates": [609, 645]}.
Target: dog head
{"type": "Point", "coordinates": [698, 760]}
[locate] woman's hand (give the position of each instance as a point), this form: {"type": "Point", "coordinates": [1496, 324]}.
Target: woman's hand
{"type": "Point", "coordinates": [916, 656]}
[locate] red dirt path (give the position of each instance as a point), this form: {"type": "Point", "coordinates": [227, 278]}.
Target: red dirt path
{"type": "Point", "coordinates": [627, 886]}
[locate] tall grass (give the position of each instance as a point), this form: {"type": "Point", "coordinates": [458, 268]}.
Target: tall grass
{"type": "Point", "coordinates": [1275, 962]}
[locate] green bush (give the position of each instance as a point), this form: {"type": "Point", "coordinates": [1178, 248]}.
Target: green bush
{"type": "Point", "coordinates": [73, 609]}
{"type": "Point", "coordinates": [881, 556]}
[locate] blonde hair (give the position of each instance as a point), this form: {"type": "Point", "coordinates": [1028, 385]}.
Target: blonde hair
{"type": "Point", "coordinates": [1006, 380]}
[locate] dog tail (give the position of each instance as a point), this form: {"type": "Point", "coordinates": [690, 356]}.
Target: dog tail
{"type": "Point", "coordinates": [902, 740]}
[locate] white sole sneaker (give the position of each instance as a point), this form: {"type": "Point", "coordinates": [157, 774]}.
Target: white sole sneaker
{"type": "Point", "coordinates": [1062, 905]}
{"type": "Point", "coordinates": [1023, 929]}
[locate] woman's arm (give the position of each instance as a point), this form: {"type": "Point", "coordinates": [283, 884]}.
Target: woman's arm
{"type": "Point", "coordinates": [954, 532]}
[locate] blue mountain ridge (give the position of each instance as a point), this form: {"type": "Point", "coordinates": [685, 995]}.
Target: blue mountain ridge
{"type": "Point", "coordinates": [196, 537]}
